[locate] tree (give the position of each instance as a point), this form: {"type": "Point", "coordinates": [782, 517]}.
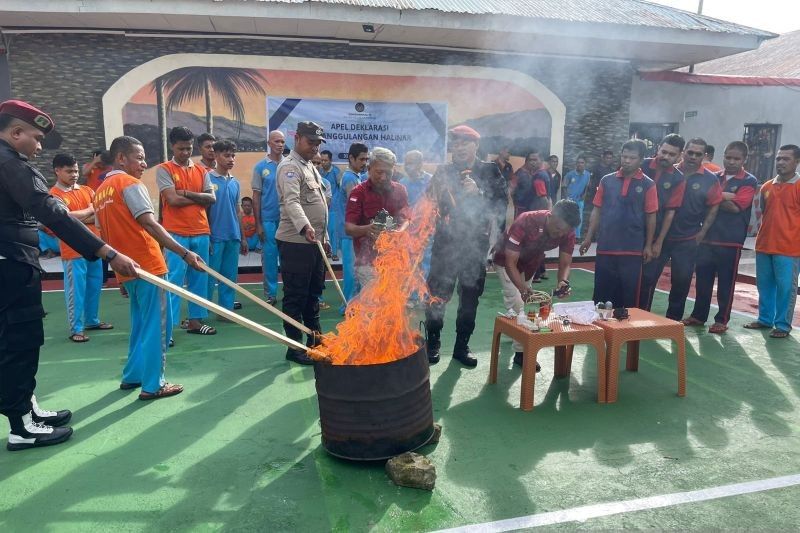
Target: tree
{"type": "Point", "coordinates": [190, 83]}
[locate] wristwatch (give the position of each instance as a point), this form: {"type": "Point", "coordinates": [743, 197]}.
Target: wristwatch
{"type": "Point", "coordinates": [111, 255]}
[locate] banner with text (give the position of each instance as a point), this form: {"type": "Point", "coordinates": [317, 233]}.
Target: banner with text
{"type": "Point", "coordinates": [398, 126]}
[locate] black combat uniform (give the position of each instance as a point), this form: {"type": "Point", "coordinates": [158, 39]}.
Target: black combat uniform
{"type": "Point", "coordinates": [459, 249]}
{"type": "Point", "coordinates": [24, 200]}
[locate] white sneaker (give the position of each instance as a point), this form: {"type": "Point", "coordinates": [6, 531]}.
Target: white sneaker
{"type": "Point", "coordinates": [50, 418]}
{"type": "Point", "coordinates": [35, 435]}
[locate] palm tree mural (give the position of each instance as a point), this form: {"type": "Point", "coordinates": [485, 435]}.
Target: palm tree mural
{"type": "Point", "coordinates": [190, 83]}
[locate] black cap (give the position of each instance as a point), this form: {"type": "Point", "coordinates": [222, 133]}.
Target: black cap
{"type": "Point", "coordinates": [312, 130]}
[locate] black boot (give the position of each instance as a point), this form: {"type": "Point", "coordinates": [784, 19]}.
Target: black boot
{"type": "Point", "coordinates": [518, 361]}
{"type": "Point", "coordinates": [432, 345]}
{"type": "Point", "coordinates": [298, 356]}
{"type": "Point", "coordinates": [25, 433]}
{"type": "Point", "coordinates": [49, 418]}
{"type": "Point", "coordinates": [461, 352]}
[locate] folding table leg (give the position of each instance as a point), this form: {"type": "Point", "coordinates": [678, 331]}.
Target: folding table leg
{"type": "Point", "coordinates": [495, 356]}
{"type": "Point", "coordinates": [528, 378]}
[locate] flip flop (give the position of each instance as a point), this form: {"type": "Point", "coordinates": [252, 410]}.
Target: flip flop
{"type": "Point", "coordinates": [756, 325]}
{"type": "Point", "coordinates": [718, 328]}
{"type": "Point", "coordinates": [202, 330]}
{"type": "Point", "coordinates": [101, 325]}
{"type": "Point", "coordinates": [778, 334]}
{"type": "Point", "coordinates": [78, 337]}
{"type": "Point", "coordinates": [692, 321]}
{"type": "Point", "coordinates": [164, 392]}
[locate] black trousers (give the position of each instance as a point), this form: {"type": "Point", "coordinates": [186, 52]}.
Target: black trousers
{"type": "Point", "coordinates": [303, 273]}
{"type": "Point", "coordinates": [722, 263]}
{"type": "Point", "coordinates": [456, 264]}
{"type": "Point", "coordinates": [21, 335]}
{"type": "Point", "coordinates": [681, 256]}
{"type": "Point", "coordinates": [617, 279]}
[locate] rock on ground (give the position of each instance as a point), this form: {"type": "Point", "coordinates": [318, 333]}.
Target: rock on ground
{"type": "Point", "coordinates": [412, 470]}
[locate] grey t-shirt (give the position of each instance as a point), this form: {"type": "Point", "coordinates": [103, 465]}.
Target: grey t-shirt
{"type": "Point", "coordinates": [302, 200]}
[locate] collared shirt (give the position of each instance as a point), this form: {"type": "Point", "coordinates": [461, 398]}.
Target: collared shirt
{"type": "Point", "coordinates": [264, 174]}
{"type": "Point", "coordinates": [416, 187]}
{"type": "Point", "coordinates": [730, 229]}
{"type": "Point", "coordinates": [532, 190]}
{"type": "Point", "coordinates": [249, 225]}
{"type": "Point", "coordinates": [528, 236]}
{"type": "Point", "coordinates": [188, 220]}
{"type": "Point", "coordinates": [779, 233]}
{"type": "Point", "coordinates": [349, 180]}
{"type": "Point", "coordinates": [24, 200]}
{"type": "Point", "coordinates": [364, 203]}
{"type": "Point", "coordinates": [576, 183]}
{"type": "Point", "coordinates": [702, 193]}
{"type": "Point", "coordinates": [625, 203]}
{"type": "Point", "coordinates": [76, 198]}
{"type": "Point", "coordinates": [302, 200]}
{"type": "Point", "coordinates": [223, 215]}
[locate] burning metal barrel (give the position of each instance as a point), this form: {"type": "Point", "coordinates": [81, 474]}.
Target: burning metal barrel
{"type": "Point", "coordinates": [373, 412]}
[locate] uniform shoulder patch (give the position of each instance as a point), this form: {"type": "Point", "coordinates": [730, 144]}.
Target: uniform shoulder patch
{"type": "Point", "coordinates": [291, 174]}
{"type": "Point", "coordinates": [695, 186]}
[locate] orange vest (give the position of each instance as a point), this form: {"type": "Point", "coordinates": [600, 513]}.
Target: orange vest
{"type": "Point", "coordinates": [75, 200]}
{"type": "Point", "coordinates": [249, 225]}
{"type": "Point", "coordinates": [192, 219]}
{"type": "Point", "coordinates": [120, 230]}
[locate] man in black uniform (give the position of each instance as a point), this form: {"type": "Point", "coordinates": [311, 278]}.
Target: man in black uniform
{"type": "Point", "coordinates": [470, 195]}
{"type": "Point", "coordinates": [24, 200]}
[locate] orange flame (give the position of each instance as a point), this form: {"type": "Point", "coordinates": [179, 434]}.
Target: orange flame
{"type": "Point", "coordinates": [377, 327]}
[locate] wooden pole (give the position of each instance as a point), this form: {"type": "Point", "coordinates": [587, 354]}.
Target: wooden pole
{"type": "Point", "coordinates": [247, 294]}
{"type": "Point", "coordinates": [242, 321]}
{"type": "Point", "coordinates": [330, 270]}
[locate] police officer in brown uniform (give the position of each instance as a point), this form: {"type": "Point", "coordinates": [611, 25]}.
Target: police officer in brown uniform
{"type": "Point", "coordinates": [303, 222]}
{"type": "Point", "coordinates": [24, 200]}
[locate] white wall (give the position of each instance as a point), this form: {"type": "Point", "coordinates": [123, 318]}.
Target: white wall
{"type": "Point", "coordinates": [722, 110]}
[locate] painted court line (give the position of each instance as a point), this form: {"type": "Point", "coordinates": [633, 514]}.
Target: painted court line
{"type": "Point", "coordinates": [581, 514]}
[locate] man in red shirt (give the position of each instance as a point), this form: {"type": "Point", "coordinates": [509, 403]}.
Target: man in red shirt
{"type": "Point", "coordinates": [521, 251]}
{"type": "Point", "coordinates": [366, 201]}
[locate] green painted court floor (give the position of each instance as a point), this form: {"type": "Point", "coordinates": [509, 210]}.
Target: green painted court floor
{"type": "Point", "coordinates": [240, 449]}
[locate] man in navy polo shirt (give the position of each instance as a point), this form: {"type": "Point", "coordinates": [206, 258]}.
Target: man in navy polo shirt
{"type": "Point", "coordinates": [718, 255]}
{"type": "Point", "coordinates": [365, 202]}
{"type": "Point", "coordinates": [532, 190]}
{"type": "Point", "coordinates": [670, 185]}
{"type": "Point", "coordinates": [692, 221]}
{"type": "Point", "coordinates": [625, 206]}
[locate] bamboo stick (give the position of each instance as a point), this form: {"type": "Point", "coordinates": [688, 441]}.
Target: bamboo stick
{"type": "Point", "coordinates": [330, 270]}
{"type": "Point", "coordinates": [247, 294]}
{"type": "Point", "coordinates": [242, 321]}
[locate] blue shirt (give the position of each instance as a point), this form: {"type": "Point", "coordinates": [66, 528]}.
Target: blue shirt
{"type": "Point", "coordinates": [416, 187]}
{"type": "Point", "coordinates": [264, 174]}
{"type": "Point", "coordinates": [223, 215]}
{"type": "Point", "coordinates": [339, 201]}
{"type": "Point", "coordinates": [576, 184]}
{"type": "Point", "coordinates": [333, 177]}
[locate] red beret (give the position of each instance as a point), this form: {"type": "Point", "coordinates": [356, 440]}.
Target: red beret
{"type": "Point", "coordinates": [26, 112]}
{"type": "Point", "coordinates": [465, 131]}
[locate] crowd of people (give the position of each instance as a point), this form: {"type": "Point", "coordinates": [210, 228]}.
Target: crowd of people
{"type": "Point", "coordinates": [643, 213]}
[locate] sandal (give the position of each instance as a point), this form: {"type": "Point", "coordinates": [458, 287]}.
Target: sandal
{"type": "Point", "coordinates": [129, 386]}
{"type": "Point", "coordinates": [778, 334]}
{"type": "Point", "coordinates": [202, 330]}
{"type": "Point", "coordinates": [184, 323]}
{"type": "Point", "coordinates": [164, 392]}
{"type": "Point", "coordinates": [756, 325]}
{"type": "Point", "coordinates": [718, 328]}
{"type": "Point", "coordinates": [101, 325]}
{"type": "Point", "coordinates": [692, 321]}
{"type": "Point", "coordinates": [78, 337]}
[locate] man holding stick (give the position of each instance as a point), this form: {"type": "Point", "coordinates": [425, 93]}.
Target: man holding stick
{"type": "Point", "coordinates": [23, 202]}
{"type": "Point", "coordinates": [303, 219]}
{"type": "Point", "coordinates": [125, 215]}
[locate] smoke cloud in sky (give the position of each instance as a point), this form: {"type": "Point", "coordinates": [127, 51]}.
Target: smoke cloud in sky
{"type": "Point", "coordinates": [778, 16]}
